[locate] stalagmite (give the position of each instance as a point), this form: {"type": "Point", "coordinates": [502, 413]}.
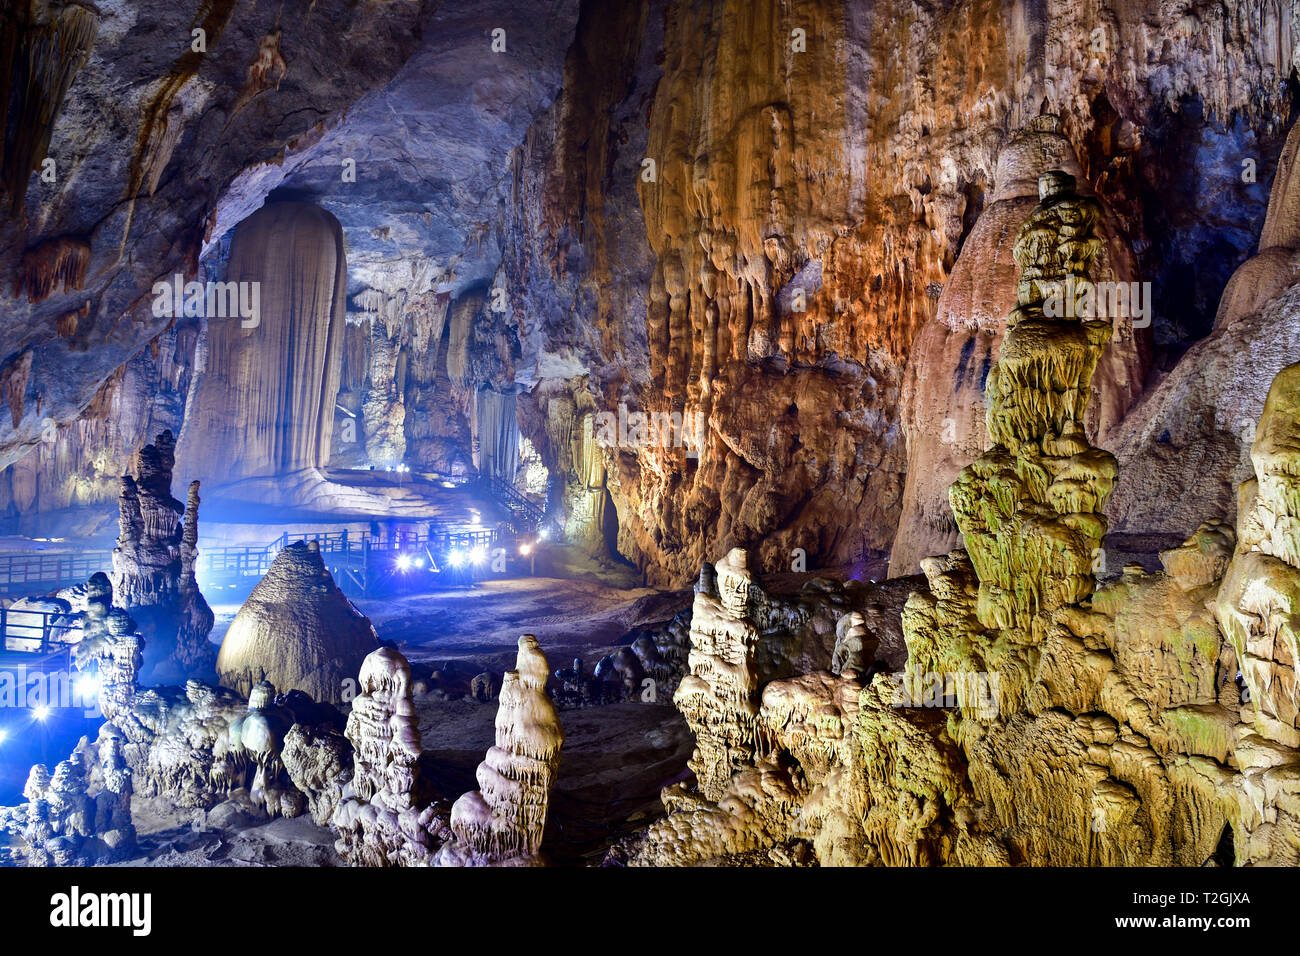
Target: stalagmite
{"type": "Point", "coordinates": [503, 822]}
{"type": "Point", "coordinates": [385, 816]}
{"type": "Point", "coordinates": [943, 404]}
{"type": "Point", "coordinates": [153, 565]}
{"type": "Point", "coordinates": [297, 630]}
{"type": "Point", "coordinates": [719, 698]}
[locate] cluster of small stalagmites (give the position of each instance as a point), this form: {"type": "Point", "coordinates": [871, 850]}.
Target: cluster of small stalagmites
{"type": "Point", "coordinates": [719, 697]}
{"type": "Point", "coordinates": [80, 814]}
{"type": "Point", "coordinates": [502, 822]}
{"type": "Point", "coordinates": [199, 744]}
{"type": "Point", "coordinates": [385, 816]}
{"type": "Point", "coordinates": [799, 786]}
{"type": "Point", "coordinates": [153, 562]}
{"type": "Point", "coordinates": [1029, 508]}
{"type": "Point", "coordinates": [648, 669]}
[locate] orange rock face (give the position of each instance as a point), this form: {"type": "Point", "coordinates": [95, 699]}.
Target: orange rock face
{"type": "Point", "coordinates": [823, 194]}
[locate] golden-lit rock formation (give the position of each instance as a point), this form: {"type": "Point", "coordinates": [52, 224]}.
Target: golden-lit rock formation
{"type": "Point", "coordinates": [1029, 508]}
{"type": "Point", "coordinates": [719, 697]}
{"type": "Point", "coordinates": [943, 400]}
{"type": "Point", "coordinates": [1041, 719]}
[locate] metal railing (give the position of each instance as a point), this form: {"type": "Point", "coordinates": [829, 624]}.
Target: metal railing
{"type": "Point", "coordinates": [35, 632]}
{"type": "Point", "coordinates": [343, 551]}
{"type": "Point", "coordinates": [528, 512]}
{"type": "Point", "coordinates": [22, 573]}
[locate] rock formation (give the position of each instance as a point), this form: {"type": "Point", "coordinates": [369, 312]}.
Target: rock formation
{"type": "Point", "coordinates": [199, 745]}
{"type": "Point", "coordinates": [719, 698]}
{"type": "Point", "coordinates": [153, 565]}
{"type": "Point", "coordinates": [1029, 509]}
{"type": "Point", "coordinates": [283, 361]}
{"type": "Point", "coordinates": [81, 814]}
{"type": "Point", "coordinates": [297, 630]}
{"type": "Point", "coordinates": [1255, 603]}
{"type": "Point", "coordinates": [385, 817]}
{"type": "Point", "coordinates": [502, 822]}
{"type": "Point", "coordinates": [943, 401]}
{"type": "Point", "coordinates": [1041, 719]}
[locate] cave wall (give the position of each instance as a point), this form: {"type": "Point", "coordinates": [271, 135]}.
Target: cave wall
{"type": "Point", "coordinates": [787, 220]}
{"type": "Point", "coordinates": [150, 131]}
{"type": "Point", "coordinates": [852, 161]}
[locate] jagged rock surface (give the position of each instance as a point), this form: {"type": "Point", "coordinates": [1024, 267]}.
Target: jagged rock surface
{"type": "Point", "coordinates": [153, 566]}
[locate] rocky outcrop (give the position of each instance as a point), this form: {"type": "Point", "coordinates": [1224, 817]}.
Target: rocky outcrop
{"type": "Point", "coordinates": [120, 142]}
{"type": "Point", "coordinates": [801, 240]}
{"type": "Point", "coordinates": [943, 402]}
{"type": "Point", "coordinates": [153, 566]}
{"type": "Point", "coordinates": [297, 630]}
{"type": "Point", "coordinates": [199, 745]}
{"type": "Point", "coordinates": [1041, 719]}
{"type": "Point", "coordinates": [1186, 447]}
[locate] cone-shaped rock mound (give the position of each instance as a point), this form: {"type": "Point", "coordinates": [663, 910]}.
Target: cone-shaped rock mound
{"type": "Point", "coordinates": [296, 630]}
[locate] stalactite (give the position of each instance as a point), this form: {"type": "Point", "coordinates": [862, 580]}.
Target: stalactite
{"type": "Point", "coordinates": [268, 59]}
{"type": "Point", "coordinates": [45, 59]}
{"type": "Point", "coordinates": [55, 264]}
{"type": "Point", "coordinates": [13, 383]}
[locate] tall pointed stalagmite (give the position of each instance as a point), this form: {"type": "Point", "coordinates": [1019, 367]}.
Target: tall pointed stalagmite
{"type": "Point", "coordinates": [503, 821]}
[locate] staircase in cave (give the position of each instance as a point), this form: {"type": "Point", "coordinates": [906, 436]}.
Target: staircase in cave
{"type": "Point", "coordinates": [526, 515]}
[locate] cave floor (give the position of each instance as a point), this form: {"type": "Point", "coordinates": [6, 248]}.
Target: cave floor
{"type": "Point", "coordinates": [615, 761]}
